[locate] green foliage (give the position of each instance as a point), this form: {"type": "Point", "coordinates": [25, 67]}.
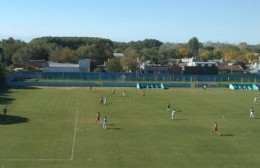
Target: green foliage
{"type": "Point", "coordinates": [99, 50]}
{"type": "Point", "coordinates": [2, 75]}
{"type": "Point", "coordinates": [1, 56]}
{"type": "Point", "coordinates": [169, 50]}
{"type": "Point", "coordinates": [130, 59]}
{"type": "Point", "coordinates": [10, 47]}
{"type": "Point", "coordinates": [147, 43]}
{"type": "Point", "coordinates": [66, 55]}
{"type": "Point", "coordinates": [70, 49]}
{"type": "Point", "coordinates": [151, 54]}
{"type": "Point", "coordinates": [21, 58]}
{"type": "Point", "coordinates": [30, 52]}
{"type": "Point", "coordinates": [194, 45]}
{"type": "Point", "coordinates": [113, 65]}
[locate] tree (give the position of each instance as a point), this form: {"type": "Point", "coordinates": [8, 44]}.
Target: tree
{"type": "Point", "coordinates": [113, 65]}
{"type": "Point", "coordinates": [194, 45]}
{"type": "Point", "coordinates": [168, 50]}
{"type": "Point", "coordinates": [130, 59]}
{"type": "Point", "coordinates": [151, 54]}
{"type": "Point", "coordinates": [232, 55]}
{"type": "Point", "coordinates": [206, 55]}
{"type": "Point", "coordinates": [96, 49]}
{"type": "Point", "coordinates": [21, 58]}
{"type": "Point", "coordinates": [184, 52]}
{"type": "Point", "coordinates": [251, 58]}
{"type": "Point", "coordinates": [2, 75]}
{"type": "Point", "coordinates": [147, 43]}
{"type": "Point", "coordinates": [218, 54]}
{"type": "Point", "coordinates": [9, 47]}
{"type": "Point", "coordinates": [1, 56]}
{"type": "Point", "coordinates": [67, 55]}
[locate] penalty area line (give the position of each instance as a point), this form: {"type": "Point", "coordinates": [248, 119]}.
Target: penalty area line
{"type": "Point", "coordinates": [34, 160]}
{"type": "Point", "coordinates": [51, 160]}
{"type": "Point", "coordinates": [75, 132]}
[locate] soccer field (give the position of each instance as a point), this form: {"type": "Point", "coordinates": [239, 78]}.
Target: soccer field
{"type": "Point", "coordinates": [55, 127]}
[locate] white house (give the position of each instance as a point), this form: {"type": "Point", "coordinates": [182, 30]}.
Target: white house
{"type": "Point", "coordinates": [254, 68]}
{"type": "Point", "coordinates": [82, 66]}
{"type": "Point", "coordinates": [202, 64]}
{"type": "Point", "coordinates": [153, 68]}
{"type": "Point", "coordinates": [118, 55]}
{"type": "Point", "coordinates": [198, 66]}
{"type": "Point", "coordinates": [198, 62]}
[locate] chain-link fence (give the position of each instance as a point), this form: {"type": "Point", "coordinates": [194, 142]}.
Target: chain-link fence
{"type": "Point", "coordinates": [124, 79]}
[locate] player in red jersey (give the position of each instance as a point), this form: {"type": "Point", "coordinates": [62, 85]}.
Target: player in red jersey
{"type": "Point", "coordinates": [98, 118]}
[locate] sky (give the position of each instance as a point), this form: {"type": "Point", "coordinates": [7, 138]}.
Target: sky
{"type": "Point", "coordinates": [177, 21]}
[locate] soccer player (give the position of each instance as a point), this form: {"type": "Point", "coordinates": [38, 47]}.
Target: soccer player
{"type": "Point", "coordinates": [252, 112]}
{"type": "Point", "coordinates": [173, 114]}
{"type": "Point", "coordinates": [143, 93]}
{"type": "Point", "coordinates": [113, 92]}
{"type": "Point", "coordinates": [204, 87]}
{"type": "Point", "coordinates": [255, 99]}
{"type": "Point", "coordinates": [105, 101]}
{"type": "Point", "coordinates": [215, 128]}
{"type": "Point", "coordinates": [101, 100]}
{"type": "Point", "coordinates": [123, 93]}
{"type": "Point", "coordinates": [105, 123]}
{"type": "Point", "coordinates": [168, 106]}
{"type": "Point", "coordinates": [98, 118]}
{"type": "Point", "coordinates": [5, 110]}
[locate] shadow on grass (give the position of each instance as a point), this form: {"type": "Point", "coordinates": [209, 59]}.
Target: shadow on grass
{"type": "Point", "coordinates": [9, 120]}
{"type": "Point", "coordinates": [28, 87]}
{"type": "Point", "coordinates": [4, 96]}
{"type": "Point", "coordinates": [226, 134]}
{"type": "Point", "coordinates": [256, 118]}
{"type": "Point", "coordinates": [4, 91]}
{"type": "Point", "coordinates": [181, 119]}
{"type": "Point", "coordinates": [6, 100]}
{"type": "Point", "coordinates": [110, 127]}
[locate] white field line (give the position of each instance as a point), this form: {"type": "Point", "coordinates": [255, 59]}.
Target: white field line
{"type": "Point", "coordinates": [75, 132]}
{"type": "Point", "coordinates": [34, 160]}
{"type": "Point", "coordinates": [51, 160]}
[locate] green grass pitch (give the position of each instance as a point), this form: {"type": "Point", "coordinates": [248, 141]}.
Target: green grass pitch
{"type": "Point", "coordinates": [55, 127]}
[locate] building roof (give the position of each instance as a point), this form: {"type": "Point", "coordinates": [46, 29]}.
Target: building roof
{"type": "Point", "coordinates": [192, 59]}
{"type": "Point", "coordinates": [61, 65]}
{"type": "Point", "coordinates": [231, 68]}
{"type": "Point", "coordinates": [38, 63]}
{"type": "Point", "coordinates": [118, 55]}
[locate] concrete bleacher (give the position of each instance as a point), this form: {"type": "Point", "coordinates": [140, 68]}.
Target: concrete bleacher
{"type": "Point", "coordinates": [149, 86]}
{"type": "Point", "coordinates": [243, 87]}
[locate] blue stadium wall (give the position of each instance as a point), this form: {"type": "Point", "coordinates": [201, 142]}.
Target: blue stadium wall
{"type": "Point", "coordinates": [123, 79]}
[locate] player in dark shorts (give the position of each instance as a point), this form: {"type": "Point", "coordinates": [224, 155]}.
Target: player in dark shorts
{"type": "Point", "coordinates": [169, 106]}
{"type": "Point", "coordinates": [215, 128]}
{"type": "Point", "coordinates": [98, 118]}
{"type": "Point", "coordinates": [101, 99]}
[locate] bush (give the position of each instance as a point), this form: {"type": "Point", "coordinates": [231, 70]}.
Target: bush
{"type": "Point", "coordinates": [2, 75]}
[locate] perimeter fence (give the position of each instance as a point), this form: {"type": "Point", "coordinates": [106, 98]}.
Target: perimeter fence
{"type": "Point", "coordinates": [21, 79]}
